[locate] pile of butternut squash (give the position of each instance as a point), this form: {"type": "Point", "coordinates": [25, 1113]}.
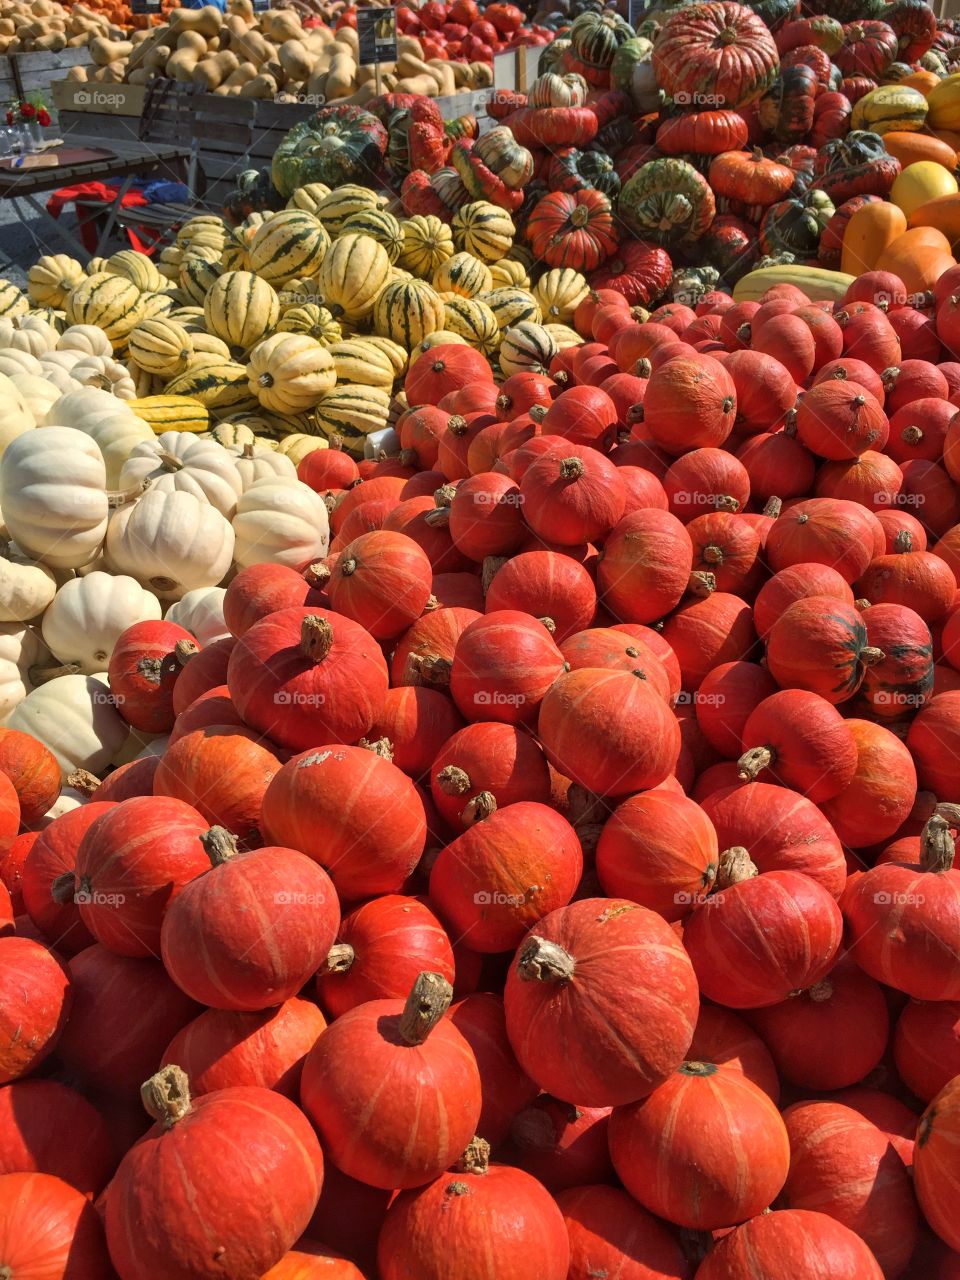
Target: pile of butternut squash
{"type": "Point", "coordinates": [270, 56]}
{"type": "Point", "coordinates": [33, 26]}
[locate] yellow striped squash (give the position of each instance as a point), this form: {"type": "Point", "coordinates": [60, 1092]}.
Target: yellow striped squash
{"type": "Point", "coordinates": [311, 319]}
{"type": "Point", "coordinates": [483, 229]}
{"type": "Point", "coordinates": [206, 229]}
{"type": "Point", "coordinates": [474, 322]}
{"type": "Point", "coordinates": [441, 338]}
{"type": "Point", "coordinates": [334, 209]}
{"type": "Point", "coordinates": [215, 382]}
{"type": "Point", "coordinates": [353, 273]}
{"type": "Point", "coordinates": [564, 336]}
{"type": "Point", "coordinates": [51, 278]}
{"type": "Point", "coordinates": [109, 302]}
{"type": "Point", "coordinates": [463, 274]}
{"type": "Point", "coordinates": [156, 304]}
{"type": "Point", "coordinates": [559, 292]}
{"type": "Point", "coordinates": [308, 197]}
{"type": "Point", "coordinates": [392, 350]}
{"type": "Point", "coordinates": [892, 107]}
{"type": "Point", "coordinates": [234, 256]}
{"type": "Point", "coordinates": [526, 348]}
{"type": "Point", "coordinates": [351, 413]}
{"type": "Point", "coordinates": [171, 413]}
{"type": "Point", "coordinates": [190, 316]}
{"type": "Point", "coordinates": [381, 226]}
{"type": "Point", "coordinates": [160, 345]}
{"type": "Point", "coordinates": [291, 243]}
{"type": "Point", "coordinates": [208, 343]}
{"type": "Point", "coordinates": [135, 267]}
{"type": "Point", "coordinates": [510, 306]}
{"type": "Point", "coordinates": [96, 265]}
{"type": "Point", "coordinates": [231, 432]}
{"type": "Point", "coordinates": [241, 308]}
{"type": "Point", "coordinates": [198, 274]}
{"type": "Point", "coordinates": [359, 363]}
{"type": "Point", "coordinates": [507, 273]}
{"type": "Point", "coordinates": [289, 372]}
{"type": "Point", "coordinates": [297, 445]}
{"type": "Point", "coordinates": [406, 311]}
{"type": "Point", "coordinates": [427, 243]}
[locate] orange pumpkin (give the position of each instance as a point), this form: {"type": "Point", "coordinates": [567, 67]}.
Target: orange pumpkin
{"type": "Point", "coordinates": [919, 257]}
{"type": "Point", "coordinates": [871, 230]}
{"type": "Point", "coordinates": [923, 81]}
{"type": "Point", "coordinates": [910, 148]}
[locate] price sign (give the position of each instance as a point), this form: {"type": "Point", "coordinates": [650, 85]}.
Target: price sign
{"type": "Point", "coordinates": [261, 6]}
{"type": "Point", "coordinates": [377, 35]}
{"type": "Point", "coordinates": [145, 6]}
{"type": "Point", "coordinates": [635, 11]}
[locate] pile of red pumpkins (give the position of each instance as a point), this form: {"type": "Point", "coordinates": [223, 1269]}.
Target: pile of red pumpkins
{"type": "Point", "coordinates": [625, 715]}
{"type": "Point", "coordinates": [461, 30]}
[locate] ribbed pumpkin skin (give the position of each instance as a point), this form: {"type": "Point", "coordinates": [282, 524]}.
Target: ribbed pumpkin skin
{"type": "Point", "coordinates": [816, 644]}
{"type": "Point", "coordinates": [690, 402]}
{"type": "Point", "coordinates": [47, 1128]}
{"type": "Point", "coordinates": [722, 50]}
{"type": "Point", "coordinates": [659, 850]}
{"type": "Point", "coordinates": [645, 566]}
{"type": "Point", "coordinates": [132, 862]}
{"type": "Point", "coordinates": [545, 584]}
{"type": "Point", "coordinates": [49, 1230]}
{"type": "Point", "coordinates": [221, 1049]}
{"type": "Point", "coordinates": [780, 829]}
{"type": "Point", "coordinates": [53, 854]}
{"type": "Point", "coordinates": [35, 1001]}
{"type": "Point", "coordinates": [416, 722]}
{"type": "Point", "coordinates": [260, 589]}
{"type": "Point", "coordinates": [790, 1242]}
{"type": "Point", "coordinates": [435, 635]}
{"type": "Point", "coordinates": [503, 665]}
{"type": "Point", "coordinates": [353, 812]}
{"type": "Point", "coordinates": [262, 923]}
{"type": "Point", "coordinates": [706, 1149]}
{"type": "Point", "coordinates": [110, 302]}
{"type": "Point", "coordinates": [724, 1039]}
{"type": "Point", "coordinates": [404, 1136]}
{"type": "Point", "coordinates": [608, 731]}
{"type": "Point", "coordinates": [763, 938]}
{"type": "Point", "coordinates": [573, 500]}
{"type": "Point", "coordinates": [610, 1233]}
{"type": "Point", "coordinates": [382, 581]}
{"type": "Point", "coordinates": [498, 879]}
{"type": "Point", "coordinates": [813, 750]}
{"type": "Point", "coordinates": [505, 1088]}
{"type": "Point", "coordinates": [393, 939]}
{"type": "Point", "coordinates": [934, 1163]}
{"type": "Point", "coordinates": [223, 772]}
{"type": "Point", "coordinates": [241, 308]}
{"type": "Point", "coordinates": [830, 531]}
{"type": "Point", "coordinates": [34, 772]}
{"type": "Point", "coordinates": [207, 670]}
{"type": "Point", "coordinates": [798, 582]}
{"type": "Point", "coordinates": [630, 975]}
{"type": "Point", "coordinates": [831, 1035]}
{"type": "Point", "coordinates": [881, 793]}
{"type": "Point", "coordinates": [926, 1046]}
{"type": "Point", "coordinates": [136, 1009]}
{"type": "Point", "coordinates": [143, 671]}
{"type": "Point", "coordinates": [316, 1264]}
{"type": "Point", "coordinates": [281, 691]}
{"type": "Point", "coordinates": [151, 1230]}
{"type": "Point", "coordinates": [212, 709]}
{"type": "Point", "coordinates": [492, 757]}
{"type": "Point", "coordinates": [846, 1167]}
{"type": "Point", "coordinates": [609, 648]}
{"type": "Point", "coordinates": [498, 1225]}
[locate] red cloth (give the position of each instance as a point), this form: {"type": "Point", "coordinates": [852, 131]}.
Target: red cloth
{"type": "Point", "coordinates": [89, 197]}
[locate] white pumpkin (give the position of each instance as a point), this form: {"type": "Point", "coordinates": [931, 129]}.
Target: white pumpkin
{"type": "Point", "coordinates": [29, 333]}
{"type": "Point", "coordinates": [171, 542]}
{"type": "Point", "coordinates": [178, 460]}
{"type": "Point", "coordinates": [85, 338]}
{"type": "Point", "coordinates": [12, 362]}
{"type": "Point", "coordinates": [74, 717]}
{"type": "Point", "coordinates": [116, 428]}
{"type": "Point", "coordinates": [20, 649]}
{"type": "Point", "coordinates": [53, 495]}
{"type": "Point", "coordinates": [254, 463]}
{"type": "Point", "coordinates": [15, 415]}
{"type": "Point", "coordinates": [280, 522]}
{"type": "Point", "coordinates": [60, 359]}
{"type": "Point", "coordinates": [26, 587]}
{"type": "Point", "coordinates": [88, 614]}
{"type": "Point", "coordinates": [139, 746]}
{"type": "Point", "coordinates": [38, 393]}
{"type": "Point", "coordinates": [60, 379]}
{"type": "Point", "coordinates": [107, 374]}
{"type": "Point", "coordinates": [201, 613]}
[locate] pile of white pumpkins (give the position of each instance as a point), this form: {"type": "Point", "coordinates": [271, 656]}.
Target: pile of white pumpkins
{"type": "Point", "coordinates": [107, 523]}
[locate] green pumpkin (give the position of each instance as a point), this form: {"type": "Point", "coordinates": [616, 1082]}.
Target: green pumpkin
{"type": "Point", "coordinates": [596, 37]}
{"type": "Point", "coordinates": [338, 145]}
{"type": "Point", "coordinates": [632, 71]}
{"type": "Point", "coordinates": [795, 225]}
{"type": "Point", "coordinates": [773, 12]}
{"type": "Point", "coordinates": [668, 202]}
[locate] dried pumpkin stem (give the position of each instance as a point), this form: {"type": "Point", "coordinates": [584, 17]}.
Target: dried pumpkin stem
{"type": "Point", "coordinates": [426, 1004]}
{"type": "Point", "coordinates": [870, 655]}
{"type": "Point", "coordinates": [184, 650]}
{"type": "Point", "coordinates": [219, 844]}
{"type": "Point", "coordinates": [453, 781]}
{"type": "Point", "coordinates": [571, 468]}
{"type": "Point", "coordinates": [480, 807]}
{"type": "Point", "coordinates": [476, 1158]}
{"type": "Point", "coordinates": [64, 888]}
{"type": "Point", "coordinates": [733, 867]}
{"type": "Point", "coordinates": [84, 781]}
{"type": "Point", "coordinates": [753, 762]}
{"type": "Point", "coordinates": [544, 961]}
{"type": "Point", "coordinates": [340, 958]}
{"type": "Point", "coordinates": [166, 1096]}
{"type": "Point", "coordinates": [316, 637]}
{"type": "Point", "coordinates": [937, 846]}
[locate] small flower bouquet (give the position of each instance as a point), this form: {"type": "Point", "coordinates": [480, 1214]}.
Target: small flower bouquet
{"type": "Point", "coordinates": [31, 110]}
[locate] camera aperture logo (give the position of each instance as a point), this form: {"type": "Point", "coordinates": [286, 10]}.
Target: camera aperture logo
{"type": "Point", "coordinates": [498, 699]}
{"type": "Point", "coordinates": [98, 98]}
{"type": "Point", "coordinates": [495, 898]}
{"type": "Point", "coordinates": [94, 898]}
{"type": "Point", "coordinates": [294, 698]}
{"type": "Point", "coordinates": [684, 99]}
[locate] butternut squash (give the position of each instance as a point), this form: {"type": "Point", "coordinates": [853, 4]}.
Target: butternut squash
{"type": "Point", "coordinates": [919, 257]}
{"type": "Point", "coordinates": [104, 51]}
{"type": "Point", "coordinates": [295, 59]}
{"type": "Point", "coordinates": [207, 21]}
{"type": "Point", "coordinates": [280, 25]}
{"type": "Point", "coordinates": [260, 86]}
{"type": "Point", "coordinates": [212, 71]}
{"type": "Point", "coordinates": [866, 237]}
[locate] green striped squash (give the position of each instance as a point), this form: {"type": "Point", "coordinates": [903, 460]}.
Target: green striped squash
{"type": "Point", "coordinates": [564, 336]}
{"type": "Point", "coordinates": [463, 274]}
{"type": "Point", "coordinates": [160, 345]}
{"type": "Point", "coordinates": [308, 197]}
{"type": "Point", "coordinates": [310, 318]}
{"type": "Point", "coordinates": [511, 306]}
{"type": "Point", "coordinates": [559, 292]}
{"type": "Point", "coordinates": [51, 278]}
{"type": "Point", "coordinates": [291, 243]}
{"type": "Point", "coordinates": [474, 322]}
{"type": "Point", "coordinates": [215, 382]}
{"type": "Point", "coordinates": [359, 363]}
{"type": "Point", "coordinates": [198, 274]}
{"type": "Point", "coordinates": [381, 226]}
{"type": "Point", "coordinates": [189, 316]}
{"type": "Point", "coordinates": [354, 271]}
{"type": "Point", "coordinates": [507, 273]}
{"type": "Point", "coordinates": [334, 209]}
{"type": "Point", "coordinates": [155, 304]}
{"type": "Point", "coordinates": [135, 267]}
{"type": "Point", "coordinates": [110, 302]}
{"type": "Point", "coordinates": [427, 243]}
{"type": "Point", "coordinates": [350, 413]}
{"type": "Point", "coordinates": [527, 348]}
{"type": "Point", "coordinates": [483, 229]}
{"type": "Point", "coordinates": [406, 311]}
{"type": "Point", "coordinates": [241, 308]}
{"type": "Point", "coordinates": [171, 413]}
{"type": "Point", "coordinates": [392, 350]}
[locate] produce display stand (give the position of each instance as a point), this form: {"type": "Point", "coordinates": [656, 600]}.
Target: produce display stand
{"type": "Point", "coordinates": [38, 72]}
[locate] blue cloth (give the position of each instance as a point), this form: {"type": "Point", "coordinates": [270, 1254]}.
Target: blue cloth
{"type": "Point", "coordinates": [161, 192]}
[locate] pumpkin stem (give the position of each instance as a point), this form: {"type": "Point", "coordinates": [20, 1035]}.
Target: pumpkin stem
{"type": "Point", "coordinates": [725, 502]}
{"type": "Point", "coordinates": [64, 888]}
{"type": "Point", "coordinates": [184, 650]}
{"type": "Point", "coordinates": [84, 781]}
{"type": "Point", "coordinates": [348, 567]}
{"type": "Point", "coordinates": [426, 1004]}
{"type": "Point", "coordinates": [702, 583]}
{"type": "Point", "coordinates": [773, 508]}
{"type": "Point", "coordinates": [120, 497]}
{"type": "Point", "coordinates": [571, 468]}
{"type": "Point", "coordinates": [713, 554]}
{"type": "Point", "coordinates": [476, 1158]}
{"type": "Point", "coordinates": [861, 604]}
{"type": "Point", "coordinates": [635, 414]}
{"type": "Point", "coordinates": [911, 435]}
{"type": "Point", "coordinates": [871, 655]}
{"type": "Point", "coordinates": [166, 1096]}
{"type": "Point", "coordinates": [169, 461]}
{"type": "Point", "coordinates": [903, 541]}
{"type": "Point", "coordinates": [439, 518]}
{"type": "Point", "coordinates": [489, 570]}
{"type": "Point", "coordinates": [733, 867]}
{"type": "Point", "coordinates": [543, 961]}
{"type": "Point", "coordinates": [549, 624]}
{"type": "Point", "coordinates": [340, 958]}
{"type": "Point", "coordinates": [316, 637]}
{"type": "Point", "coordinates": [407, 457]}
{"type": "Point", "coordinates": [643, 368]}
{"type": "Point", "coordinates": [753, 762]}
{"type": "Point", "coordinates": [381, 747]}
{"type": "Point", "coordinates": [937, 845]}
{"type": "Point", "coordinates": [453, 781]}
{"type": "Point", "coordinates": [6, 1273]}
{"type": "Point", "coordinates": [319, 574]}
{"type": "Point", "coordinates": [219, 844]}
{"type": "Point", "coordinates": [457, 425]}
{"type": "Point", "coordinates": [481, 806]}
{"type": "Point", "coordinates": [821, 991]}
{"type": "Point", "coordinates": [427, 670]}
{"type": "Point", "coordinates": [537, 412]}
{"type": "Point", "coordinates": [445, 495]}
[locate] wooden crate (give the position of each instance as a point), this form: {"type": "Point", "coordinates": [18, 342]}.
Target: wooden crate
{"type": "Point", "coordinates": [38, 72]}
{"type": "Point", "coordinates": [93, 99]}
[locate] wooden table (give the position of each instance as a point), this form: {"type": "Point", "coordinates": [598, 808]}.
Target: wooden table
{"type": "Point", "coordinates": [115, 159]}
